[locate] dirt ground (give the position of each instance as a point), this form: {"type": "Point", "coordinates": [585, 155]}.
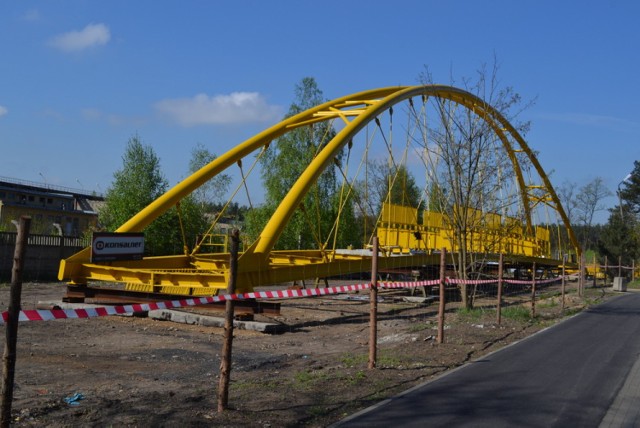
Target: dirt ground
{"type": "Point", "coordinates": [139, 372]}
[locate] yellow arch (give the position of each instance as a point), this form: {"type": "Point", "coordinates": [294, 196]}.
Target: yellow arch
{"type": "Point", "coordinates": [390, 97]}
{"type": "Point", "coordinates": [357, 110]}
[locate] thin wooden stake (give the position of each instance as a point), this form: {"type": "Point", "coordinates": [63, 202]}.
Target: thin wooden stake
{"type": "Point", "coordinates": [373, 307]}
{"type": "Point", "coordinates": [596, 269]}
{"type": "Point", "coordinates": [499, 303]}
{"type": "Point", "coordinates": [225, 361]}
{"type": "Point", "coordinates": [441, 305]}
{"type": "Point", "coordinates": [619, 265]}
{"type": "Point", "coordinates": [582, 276]}
{"type": "Point", "coordinates": [533, 291]}
{"type": "Point", "coordinates": [11, 326]}
{"type": "Point", "coordinates": [564, 262]}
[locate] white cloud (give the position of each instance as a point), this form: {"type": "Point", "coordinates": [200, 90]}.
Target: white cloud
{"type": "Point", "coordinates": [237, 107]}
{"type": "Point", "coordinates": [93, 114]}
{"type": "Point", "coordinates": [75, 41]}
{"type": "Point", "coordinates": [3, 111]}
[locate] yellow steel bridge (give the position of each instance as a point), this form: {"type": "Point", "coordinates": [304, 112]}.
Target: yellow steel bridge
{"type": "Point", "coordinates": [409, 235]}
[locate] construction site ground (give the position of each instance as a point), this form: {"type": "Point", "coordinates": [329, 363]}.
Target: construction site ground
{"type": "Point", "coordinates": [141, 372]}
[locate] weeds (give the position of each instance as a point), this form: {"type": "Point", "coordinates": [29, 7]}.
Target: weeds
{"type": "Point", "coordinates": [388, 359]}
{"type": "Point", "coordinates": [385, 358]}
{"type": "Point", "coordinates": [351, 360]}
{"type": "Point", "coordinates": [307, 378]}
{"type": "Point", "coordinates": [548, 304]}
{"type": "Point", "coordinates": [517, 313]}
{"type": "Point", "coordinates": [634, 285]}
{"type": "Point", "coordinates": [414, 328]}
{"type": "Point", "coordinates": [549, 295]}
{"type": "Point", "coordinates": [357, 378]}
{"type": "Point", "coordinates": [473, 314]}
{"type": "Point", "coordinates": [572, 311]}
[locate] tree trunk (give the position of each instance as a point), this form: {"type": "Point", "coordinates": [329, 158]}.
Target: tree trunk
{"type": "Point", "coordinates": [11, 327]}
{"type": "Point", "coordinates": [225, 362]}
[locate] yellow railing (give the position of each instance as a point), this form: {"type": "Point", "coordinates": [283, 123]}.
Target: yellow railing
{"type": "Point", "coordinates": [399, 228]}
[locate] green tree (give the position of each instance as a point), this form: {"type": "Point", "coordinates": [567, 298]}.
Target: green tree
{"type": "Point", "coordinates": [392, 184]}
{"type": "Point", "coordinates": [282, 165]}
{"type": "Point", "coordinates": [630, 189]}
{"type": "Point", "coordinates": [384, 183]}
{"type": "Point", "coordinates": [135, 186]}
{"type": "Point", "coordinates": [620, 240]}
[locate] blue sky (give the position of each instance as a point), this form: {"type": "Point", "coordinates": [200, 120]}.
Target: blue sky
{"type": "Point", "coordinates": [79, 78]}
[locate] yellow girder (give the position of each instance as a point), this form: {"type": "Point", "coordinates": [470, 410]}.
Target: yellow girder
{"type": "Point", "coordinates": [259, 264]}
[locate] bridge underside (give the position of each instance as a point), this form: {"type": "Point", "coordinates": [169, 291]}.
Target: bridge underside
{"type": "Point", "coordinates": [208, 274]}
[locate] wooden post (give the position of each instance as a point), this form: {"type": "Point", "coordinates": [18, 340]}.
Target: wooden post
{"type": "Point", "coordinates": [581, 277]}
{"type": "Point", "coordinates": [606, 270]}
{"type": "Point", "coordinates": [373, 307]}
{"type": "Point", "coordinates": [11, 326]}
{"type": "Point", "coordinates": [633, 270]}
{"type": "Point", "coordinates": [499, 304]}
{"type": "Point", "coordinates": [225, 360]}
{"type": "Point", "coordinates": [564, 262]}
{"type": "Point", "coordinates": [533, 291]}
{"type": "Point", "coordinates": [441, 304]}
{"type": "Point", "coordinates": [619, 265]}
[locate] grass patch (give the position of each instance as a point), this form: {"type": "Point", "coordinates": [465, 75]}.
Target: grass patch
{"type": "Point", "coordinates": [387, 359]}
{"type": "Point", "coordinates": [384, 358]}
{"type": "Point", "coordinates": [420, 326]}
{"type": "Point", "coordinates": [572, 311]}
{"type": "Point", "coordinates": [307, 377]}
{"type": "Point", "coordinates": [549, 295]}
{"type": "Point", "coordinates": [357, 378]}
{"type": "Point", "coordinates": [548, 304]}
{"type": "Point", "coordinates": [517, 313]}
{"type": "Point", "coordinates": [473, 314]}
{"type": "Point", "coordinates": [352, 360]}
{"type": "Point", "coordinates": [634, 285]}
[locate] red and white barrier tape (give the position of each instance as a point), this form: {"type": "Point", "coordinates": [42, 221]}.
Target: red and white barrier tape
{"type": "Point", "coordinates": [538, 281]}
{"type": "Point", "coordinates": [102, 311]}
{"type": "Point", "coordinates": [47, 315]}
{"type": "Point", "coordinates": [411, 284]}
{"type": "Point", "coordinates": [471, 281]}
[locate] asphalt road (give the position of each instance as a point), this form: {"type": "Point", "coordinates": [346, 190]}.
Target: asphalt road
{"type": "Point", "coordinates": [584, 372]}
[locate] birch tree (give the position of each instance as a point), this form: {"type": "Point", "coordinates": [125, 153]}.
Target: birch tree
{"type": "Point", "coordinates": [473, 167]}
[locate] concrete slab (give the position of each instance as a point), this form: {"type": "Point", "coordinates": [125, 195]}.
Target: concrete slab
{"type": "Point", "coordinates": [425, 300]}
{"type": "Point", "coordinates": [209, 321]}
{"type": "Point", "coordinates": [175, 316]}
